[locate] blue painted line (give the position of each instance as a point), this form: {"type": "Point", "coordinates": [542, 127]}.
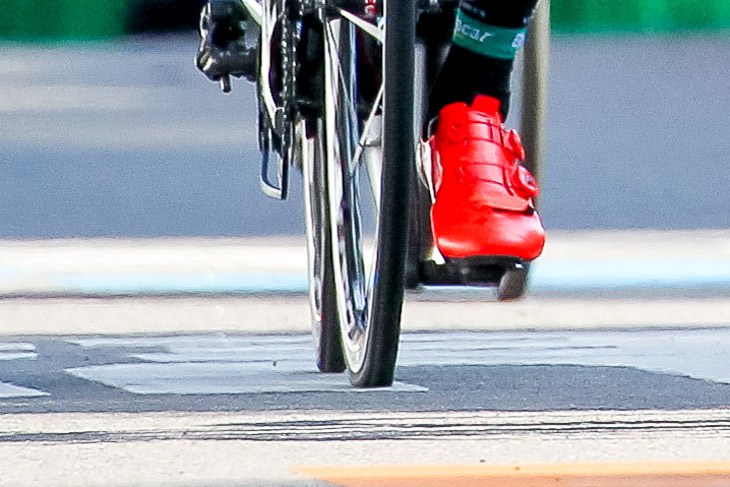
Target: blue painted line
{"type": "Point", "coordinates": [183, 284]}
{"type": "Point", "coordinates": [548, 275]}
{"type": "Point", "coordinates": [629, 274]}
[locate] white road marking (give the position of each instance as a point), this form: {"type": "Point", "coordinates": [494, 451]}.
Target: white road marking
{"type": "Point", "coordinates": [17, 351]}
{"type": "Point", "coordinates": [210, 448]}
{"type": "Point", "coordinates": [219, 364]}
{"type": "Point", "coordinates": [412, 424]}
{"type": "Point", "coordinates": [572, 261]}
{"type": "Point", "coordinates": [698, 353]}
{"type": "Point", "coordinates": [221, 378]}
{"type": "Point", "coordinates": [8, 391]}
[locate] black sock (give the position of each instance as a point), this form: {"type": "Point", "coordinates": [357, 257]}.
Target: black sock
{"type": "Point", "coordinates": [466, 74]}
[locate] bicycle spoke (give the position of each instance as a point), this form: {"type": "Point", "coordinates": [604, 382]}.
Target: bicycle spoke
{"type": "Point", "coordinates": [367, 137]}
{"type": "Point", "coordinates": [341, 76]}
{"type": "Point", "coordinates": [376, 31]}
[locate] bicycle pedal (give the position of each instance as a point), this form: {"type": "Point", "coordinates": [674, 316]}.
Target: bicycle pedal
{"type": "Point", "coordinates": [470, 271]}
{"type": "Point", "coordinates": [225, 83]}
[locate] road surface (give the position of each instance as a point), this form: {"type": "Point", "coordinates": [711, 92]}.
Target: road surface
{"type": "Point", "coordinates": [620, 383]}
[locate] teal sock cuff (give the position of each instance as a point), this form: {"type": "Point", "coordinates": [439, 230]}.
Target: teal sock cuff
{"type": "Point", "coordinates": [485, 39]}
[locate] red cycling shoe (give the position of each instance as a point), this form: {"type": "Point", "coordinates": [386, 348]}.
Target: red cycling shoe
{"type": "Point", "coordinates": [483, 196]}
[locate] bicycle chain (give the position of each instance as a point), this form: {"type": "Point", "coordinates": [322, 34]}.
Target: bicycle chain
{"type": "Point", "coordinates": [292, 15]}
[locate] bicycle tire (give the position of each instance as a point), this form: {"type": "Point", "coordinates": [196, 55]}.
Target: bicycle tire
{"type": "Point", "coordinates": [370, 298]}
{"type": "Point", "coordinates": [323, 307]}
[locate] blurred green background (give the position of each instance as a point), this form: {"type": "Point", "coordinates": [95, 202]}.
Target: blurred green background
{"type": "Point", "coordinates": [99, 19]}
{"type": "Point", "coordinates": [49, 20]}
{"type": "Point", "coordinates": [639, 15]}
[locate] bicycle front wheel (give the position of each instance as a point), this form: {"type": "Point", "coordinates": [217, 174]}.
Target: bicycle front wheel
{"type": "Point", "coordinates": [370, 152]}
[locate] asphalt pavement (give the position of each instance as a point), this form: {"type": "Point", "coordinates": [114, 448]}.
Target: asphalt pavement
{"type": "Point", "coordinates": [614, 305]}
{"type": "Point", "coordinates": [631, 406]}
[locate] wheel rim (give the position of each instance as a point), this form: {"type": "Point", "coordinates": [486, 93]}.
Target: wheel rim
{"type": "Point", "coordinates": [325, 327]}
{"type": "Point", "coordinates": [314, 216]}
{"type": "Point", "coordinates": [355, 153]}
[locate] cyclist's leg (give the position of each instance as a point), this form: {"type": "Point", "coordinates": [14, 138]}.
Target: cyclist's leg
{"type": "Point", "coordinates": [470, 68]}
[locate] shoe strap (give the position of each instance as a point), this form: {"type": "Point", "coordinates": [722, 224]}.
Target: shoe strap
{"type": "Point", "coordinates": [484, 129]}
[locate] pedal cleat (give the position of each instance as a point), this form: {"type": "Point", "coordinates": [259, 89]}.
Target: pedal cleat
{"type": "Point", "coordinates": [483, 196]}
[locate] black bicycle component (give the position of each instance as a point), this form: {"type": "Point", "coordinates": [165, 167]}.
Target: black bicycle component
{"type": "Point", "coordinates": [513, 284]}
{"type": "Point", "coordinates": [277, 94]}
{"type": "Point", "coordinates": [228, 42]}
{"type": "Point", "coordinates": [435, 6]}
{"type": "Point", "coordinates": [398, 152]}
{"type": "Point", "coordinates": [270, 145]}
{"type": "Point", "coordinates": [467, 272]}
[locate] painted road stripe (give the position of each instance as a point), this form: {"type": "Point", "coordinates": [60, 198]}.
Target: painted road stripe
{"type": "Point", "coordinates": [629, 273]}
{"type": "Point", "coordinates": [201, 364]}
{"type": "Point", "coordinates": [698, 353]}
{"type": "Point", "coordinates": [17, 351]}
{"type": "Point", "coordinates": [211, 448]}
{"type": "Point", "coordinates": [183, 283]}
{"type": "Point", "coordinates": [218, 364]}
{"type": "Point", "coordinates": [546, 275]}
{"type": "Point", "coordinates": [224, 378]}
{"type": "Point", "coordinates": [571, 425]}
{"type": "Point", "coordinates": [572, 475]}
{"type": "Point", "coordinates": [565, 275]}
{"type": "Point", "coordinates": [9, 391]}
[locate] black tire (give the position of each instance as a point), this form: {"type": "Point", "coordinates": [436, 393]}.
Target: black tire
{"type": "Point", "coordinates": [370, 298]}
{"type": "Point", "coordinates": [325, 326]}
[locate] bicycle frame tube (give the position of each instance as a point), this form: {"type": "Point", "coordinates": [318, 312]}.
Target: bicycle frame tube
{"type": "Point", "coordinates": [254, 9]}
{"type": "Point", "coordinates": [269, 12]}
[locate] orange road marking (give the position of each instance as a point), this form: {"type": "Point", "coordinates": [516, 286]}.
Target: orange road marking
{"type": "Point", "coordinates": [676, 474]}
